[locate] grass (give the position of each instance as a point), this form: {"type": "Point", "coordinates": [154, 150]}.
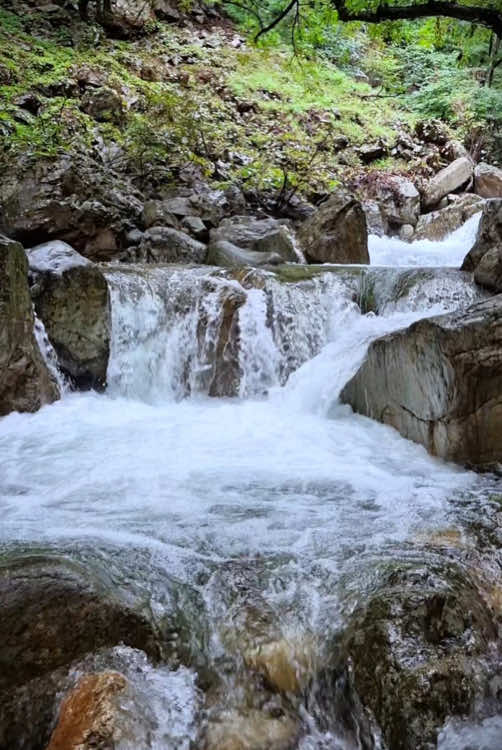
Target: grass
{"type": "Point", "coordinates": [194, 114]}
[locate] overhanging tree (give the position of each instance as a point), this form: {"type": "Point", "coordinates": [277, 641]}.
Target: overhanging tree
{"type": "Point", "coordinates": [488, 14]}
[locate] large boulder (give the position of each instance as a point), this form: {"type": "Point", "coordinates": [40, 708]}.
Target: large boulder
{"type": "Point", "coordinates": [71, 298]}
{"type": "Point", "coordinates": [485, 257]}
{"type": "Point", "coordinates": [437, 225]}
{"type": "Point", "coordinates": [25, 380]}
{"type": "Point", "coordinates": [449, 179]}
{"type": "Point", "coordinates": [488, 181]}
{"type": "Point", "coordinates": [337, 232]}
{"type": "Point", "coordinates": [439, 383]}
{"type": "Point", "coordinates": [53, 612]}
{"type": "Point", "coordinates": [265, 236]}
{"type": "Point", "coordinates": [399, 201]}
{"type": "Point", "coordinates": [72, 199]}
{"type": "Point", "coordinates": [416, 647]}
{"type": "Point", "coordinates": [167, 245]}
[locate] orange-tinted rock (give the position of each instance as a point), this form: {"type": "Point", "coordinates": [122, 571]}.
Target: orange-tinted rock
{"type": "Point", "coordinates": [88, 714]}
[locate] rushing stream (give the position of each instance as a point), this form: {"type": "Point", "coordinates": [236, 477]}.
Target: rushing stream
{"type": "Point", "coordinates": [256, 519]}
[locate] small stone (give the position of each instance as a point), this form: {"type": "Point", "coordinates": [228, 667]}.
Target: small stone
{"type": "Point", "coordinates": [406, 232]}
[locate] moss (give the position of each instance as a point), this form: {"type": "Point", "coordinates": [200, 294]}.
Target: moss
{"type": "Point", "coordinates": [196, 114]}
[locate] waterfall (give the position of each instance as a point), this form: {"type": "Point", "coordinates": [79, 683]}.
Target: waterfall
{"type": "Point", "coordinates": [390, 251]}
{"type": "Point", "coordinates": [194, 332]}
{"type": "Point", "coordinates": [253, 523]}
{"type": "Point", "coordinates": [48, 353]}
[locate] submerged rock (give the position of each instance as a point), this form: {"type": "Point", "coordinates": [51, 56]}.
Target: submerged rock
{"type": "Point", "coordinates": [26, 383]}
{"type": "Point", "coordinates": [252, 731]}
{"type": "Point", "coordinates": [72, 300]}
{"type": "Point", "coordinates": [87, 717]}
{"type": "Point", "coordinates": [439, 383]}
{"type": "Point", "coordinates": [336, 233]}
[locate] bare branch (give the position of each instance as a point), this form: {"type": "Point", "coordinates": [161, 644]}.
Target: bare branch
{"type": "Point", "coordinates": [289, 7]}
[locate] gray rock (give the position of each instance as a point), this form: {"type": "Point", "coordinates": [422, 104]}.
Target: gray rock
{"type": "Point", "coordinates": [103, 104]}
{"type": "Point", "coordinates": [374, 219]}
{"type": "Point", "coordinates": [74, 200]}
{"type": "Point", "coordinates": [73, 303]}
{"type": "Point", "coordinates": [167, 245]}
{"type": "Point", "coordinates": [25, 381]}
{"type": "Point", "coordinates": [449, 179]}
{"type": "Point", "coordinates": [195, 226]}
{"type": "Point", "coordinates": [488, 181]}
{"type": "Point", "coordinates": [439, 224]}
{"type": "Point", "coordinates": [399, 201]}
{"type": "Point", "coordinates": [158, 213]}
{"type": "Point", "coordinates": [223, 253]}
{"type": "Point", "coordinates": [488, 272]}
{"type": "Point", "coordinates": [337, 232]}
{"type": "Point", "coordinates": [257, 235]}
{"type": "Point", "coordinates": [439, 383]}
{"type": "Point", "coordinates": [406, 232]}
{"type": "Point", "coordinates": [54, 257]}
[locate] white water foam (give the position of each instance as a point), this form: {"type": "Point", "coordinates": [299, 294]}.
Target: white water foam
{"type": "Point", "coordinates": [283, 479]}
{"type": "Point", "coordinates": [391, 251]}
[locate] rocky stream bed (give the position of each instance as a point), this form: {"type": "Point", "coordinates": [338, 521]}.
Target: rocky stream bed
{"type": "Point", "coordinates": [205, 541]}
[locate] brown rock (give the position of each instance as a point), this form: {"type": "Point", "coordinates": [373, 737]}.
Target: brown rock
{"type": "Point", "coordinates": [25, 381]}
{"type": "Point", "coordinates": [87, 717]}
{"type": "Point", "coordinates": [488, 181]}
{"type": "Point", "coordinates": [55, 611]}
{"type": "Point", "coordinates": [337, 232]}
{"type": "Point", "coordinates": [252, 731]}
{"type": "Point", "coordinates": [488, 238]}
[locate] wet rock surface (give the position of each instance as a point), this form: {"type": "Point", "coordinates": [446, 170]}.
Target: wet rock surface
{"type": "Point", "coordinates": [437, 225]}
{"type": "Point", "coordinates": [438, 383]}
{"type": "Point", "coordinates": [417, 648]}
{"type": "Point", "coordinates": [336, 233]}
{"type": "Point", "coordinates": [25, 381]}
{"type": "Point", "coordinates": [485, 257]}
{"type": "Point", "coordinates": [71, 298]}
{"type": "Point", "coordinates": [87, 716]}
{"type": "Point", "coordinates": [55, 611]}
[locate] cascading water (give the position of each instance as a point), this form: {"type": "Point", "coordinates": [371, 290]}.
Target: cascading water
{"type": "Point", "coordinates": [267, 510]}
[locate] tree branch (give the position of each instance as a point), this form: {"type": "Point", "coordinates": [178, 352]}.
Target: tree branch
{"type": "Point", "coordinates": [277, 19]}
{"type": "Point", "coordinates": [488, 17]}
